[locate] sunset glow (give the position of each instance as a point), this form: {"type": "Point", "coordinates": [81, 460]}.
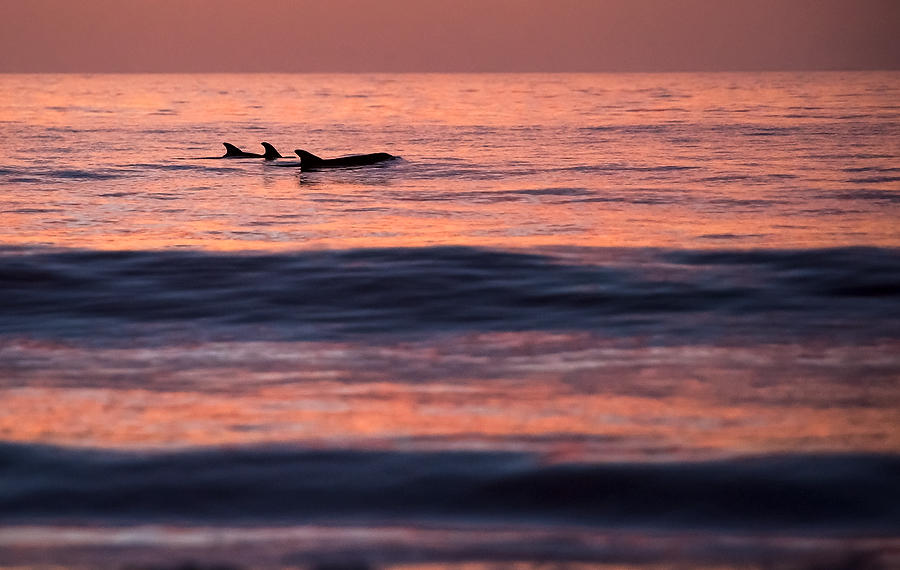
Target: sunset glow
{"type": "Point", "coordinates": [437, 36]}
{"type": "Point", "coordinates": [514, 284]}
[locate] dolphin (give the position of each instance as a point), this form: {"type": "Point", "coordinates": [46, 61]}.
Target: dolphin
{"type": "Point", "coordinates": [309, 161]}
{"type": "Point", "coordinates": [232, 151]}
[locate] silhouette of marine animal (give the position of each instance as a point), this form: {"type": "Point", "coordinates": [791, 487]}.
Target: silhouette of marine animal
{"type": "Point", "coordinates": [309, 161]}
{"type": "Point", "coordinates": [232, 151]}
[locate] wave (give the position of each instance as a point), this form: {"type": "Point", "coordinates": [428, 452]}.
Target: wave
{"type": "Point", "coordinates": [874, 179]}
{"type": "Point", "coordinates": [42, 175]}
{"type": "Point", "coordinates": [624, 168]}
{"type": "Point", "coordinates": [822, 492]}
{"type": "Point", "coordinates": [872, 169]}
{"type": "Point", "coordinates": [879, 195]}
{"type": "Point", "coordinates": [524, 194]}
{"type": "Point", "coordinates": [67, 174]}
{"type": "Point", "coordinates": [682, 294]}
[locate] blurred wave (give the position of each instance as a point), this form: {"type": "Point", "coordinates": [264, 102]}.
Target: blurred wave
{"type": "Point", "coordinates": [679, 295]}
{"type": "Point", "coordinates": [824, 492]}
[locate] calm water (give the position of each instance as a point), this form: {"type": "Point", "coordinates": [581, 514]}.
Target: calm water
{"type": "Point", "coordinates": [618, 320]}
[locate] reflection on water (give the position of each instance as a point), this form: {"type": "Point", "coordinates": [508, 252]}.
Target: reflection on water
{"type": "Point", "coordinates": [318, 548]}
{"type": "Point", "coordinates": [677, 160]}
{"type": "Point", "coordinates": [574, 397]}
{"type": "Point", "coordinates": [588, 321]}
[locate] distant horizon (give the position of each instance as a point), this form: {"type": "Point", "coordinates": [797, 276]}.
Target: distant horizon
{"type": "Point", "coordinates": [644, 72]}
{"type": "Point", "coordinates": [437, 36]}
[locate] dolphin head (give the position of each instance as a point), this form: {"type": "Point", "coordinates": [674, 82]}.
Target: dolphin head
{"type": "Point", "coordinates": [307, 157]}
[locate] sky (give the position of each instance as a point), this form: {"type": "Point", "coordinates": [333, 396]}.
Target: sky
{"type": "Point", "coordinates": [447, 35]}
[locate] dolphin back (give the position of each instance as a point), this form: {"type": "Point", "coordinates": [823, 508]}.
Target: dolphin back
{"type": "Point", "coordinates": [309, 160]}
{"type": "Point", "coordinates": [271, 152]}
{"type": "Point", "coordinates": [231, 150]}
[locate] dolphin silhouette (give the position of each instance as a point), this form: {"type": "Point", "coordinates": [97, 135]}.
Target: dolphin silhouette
{"type": "Point", "coordinates": [309, 161]}
{"type": "Point", "coordinates": [232, 151]}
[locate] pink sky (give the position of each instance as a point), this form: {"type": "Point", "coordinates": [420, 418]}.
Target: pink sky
{"type": "Point", "coordinates": [444, 35]}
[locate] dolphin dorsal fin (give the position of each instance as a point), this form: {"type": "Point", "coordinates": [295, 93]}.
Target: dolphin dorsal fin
{"type": "Point", "coordinates": [231, 150]}
{"type": "Point", "coordinates": [307, 156]}
{"type": "Point", "coordinates": [271, 152]}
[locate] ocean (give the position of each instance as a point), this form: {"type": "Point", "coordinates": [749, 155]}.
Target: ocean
{"type": "Point", "coordinates": [584, 321]}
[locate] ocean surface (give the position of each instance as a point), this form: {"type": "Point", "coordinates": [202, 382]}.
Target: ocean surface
{"type": "Point", "coordinates": [586, 321]}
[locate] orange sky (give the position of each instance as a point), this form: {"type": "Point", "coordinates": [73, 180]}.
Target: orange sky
{"type": "Point", "coordinates": [445, 35]}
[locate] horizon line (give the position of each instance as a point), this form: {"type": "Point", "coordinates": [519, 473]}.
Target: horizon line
{"type": "Point", "coordinates": [475, 72]}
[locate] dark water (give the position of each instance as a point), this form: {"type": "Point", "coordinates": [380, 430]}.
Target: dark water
{"type": "Point", "coordinates": [675, 296]}
{"type": "Point", "coordinates": [822, 493]}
